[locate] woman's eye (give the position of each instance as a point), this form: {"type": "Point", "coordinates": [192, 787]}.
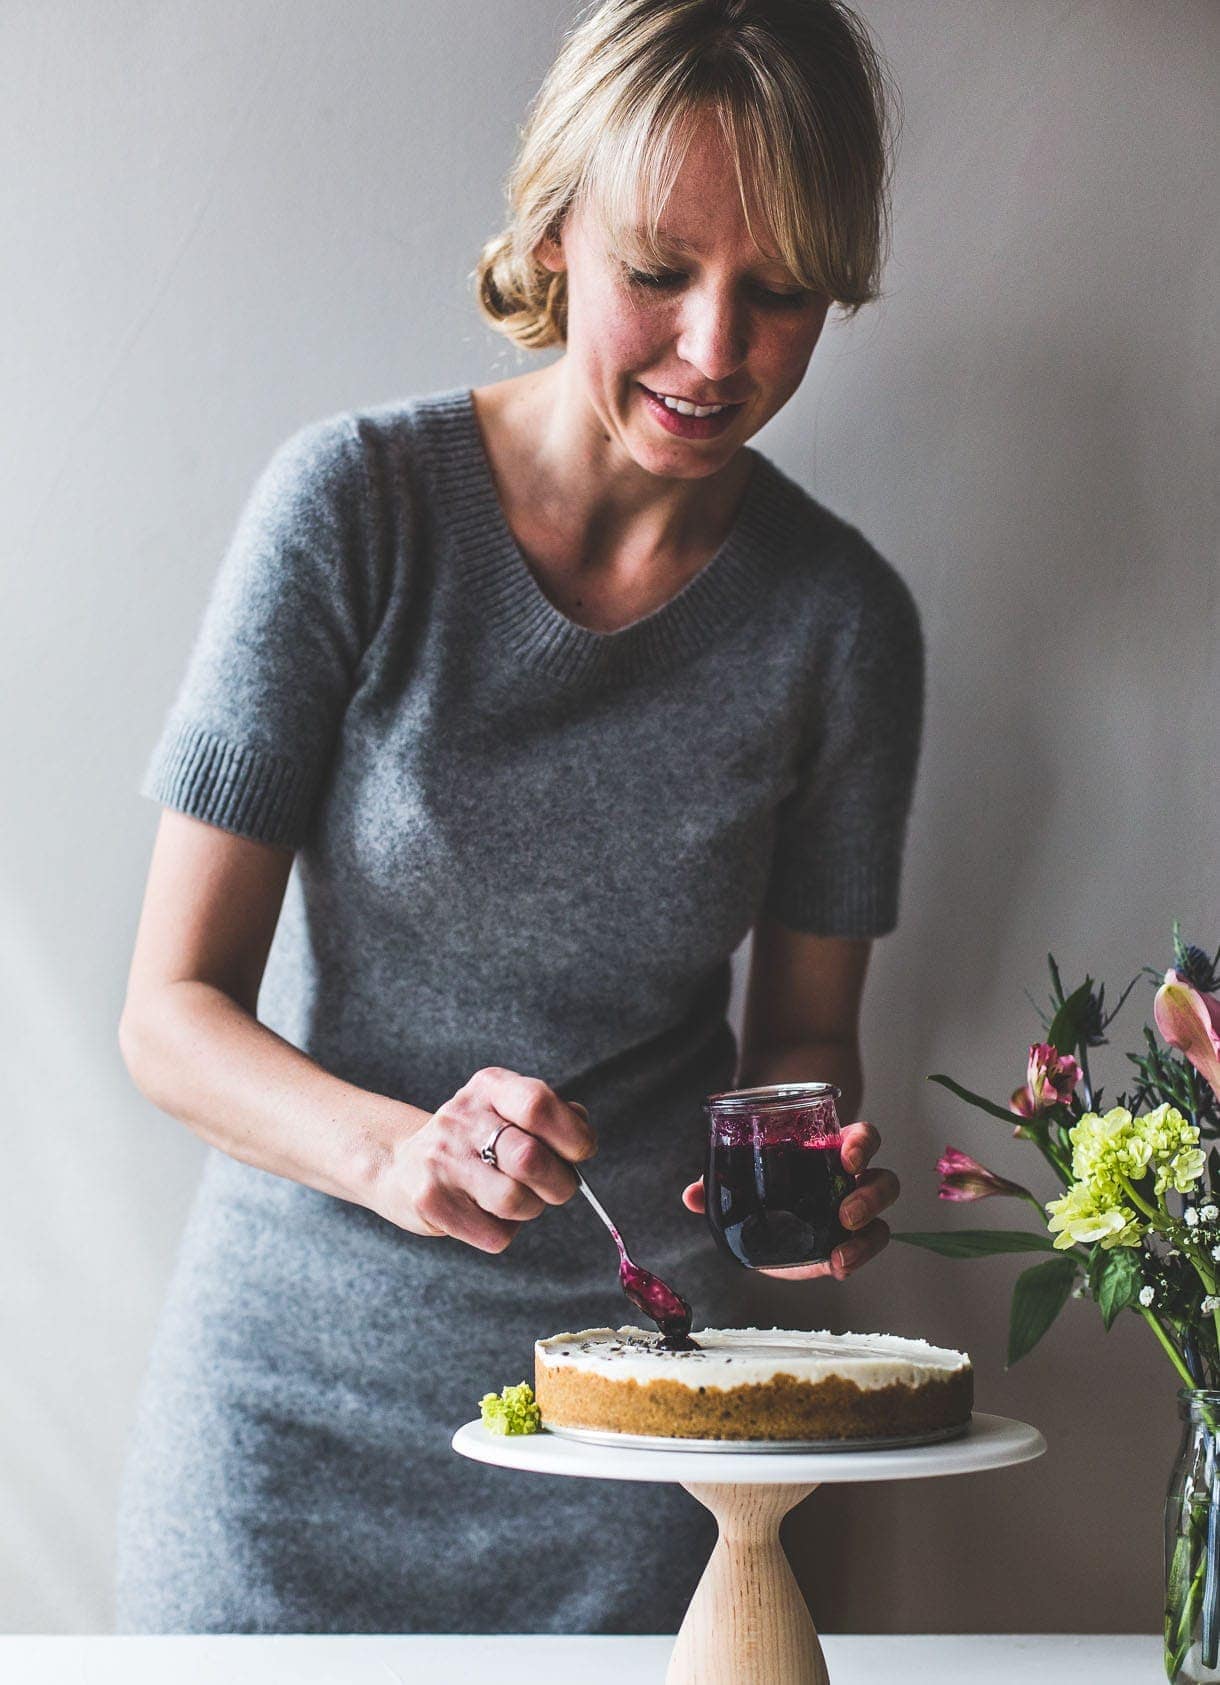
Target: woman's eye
{"type": "Point", "coordinates": [672, 277]}
{"type": "Point", "coordinates": [782, 298]}
{"type": "Point", "coordinates": [666, 278]}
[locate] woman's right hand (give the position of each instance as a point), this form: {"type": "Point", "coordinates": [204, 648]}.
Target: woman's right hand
{"type": "Point", "coordinates": [434, 1182]}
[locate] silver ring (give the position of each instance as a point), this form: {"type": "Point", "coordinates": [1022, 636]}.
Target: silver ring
{"type": "Point", "coordinates": [488, 1152]}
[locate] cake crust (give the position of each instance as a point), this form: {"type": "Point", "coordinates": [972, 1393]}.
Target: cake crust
{"type": "Point", "coordinates": [576, 1387]}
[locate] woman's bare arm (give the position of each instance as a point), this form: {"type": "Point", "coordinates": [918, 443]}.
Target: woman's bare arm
{"type": "Point", "coordinates": [801, 1024]}
{"type": "Point", "coordinates": [193, 1045]}
{"type": "Point", "coordinates": [190, 1037]}
{"type": "Point", "coordinates": [802, 1015]}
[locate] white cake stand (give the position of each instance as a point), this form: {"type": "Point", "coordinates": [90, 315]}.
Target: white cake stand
{"type": "Point", "coordinates": [747, 1623]}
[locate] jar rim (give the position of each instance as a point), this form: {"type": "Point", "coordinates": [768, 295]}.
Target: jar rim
{"type": "Point", "coordinates": [773, 1095]}
{"type": "Point", "coordinates": [1197, 1404]}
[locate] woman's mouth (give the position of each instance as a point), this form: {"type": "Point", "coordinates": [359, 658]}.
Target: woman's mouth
{"type": "Point", "coordinates": [685, 422]}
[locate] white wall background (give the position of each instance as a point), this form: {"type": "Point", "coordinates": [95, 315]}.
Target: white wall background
{"type": "Point", "coordinates": [222, 220]}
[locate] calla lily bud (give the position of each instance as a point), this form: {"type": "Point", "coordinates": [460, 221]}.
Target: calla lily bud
{"type": "Point", "coordinates": [1190, 1021]}
{"type": "Point", "coordinates": [963, 1177]}
{"type": "Point", "coordinates": [1049, 1080]}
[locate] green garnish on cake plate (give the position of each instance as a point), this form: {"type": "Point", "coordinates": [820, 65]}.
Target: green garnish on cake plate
{"type": "Point", "coordinates": [511, 1411]}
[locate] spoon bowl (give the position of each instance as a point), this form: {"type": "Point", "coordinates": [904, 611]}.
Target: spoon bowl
{"type": "Point", "coordinates": [647, 1292]}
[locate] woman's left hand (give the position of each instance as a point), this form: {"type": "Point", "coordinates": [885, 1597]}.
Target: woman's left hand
{"type": "Point", "coordinates": [874, 1192]}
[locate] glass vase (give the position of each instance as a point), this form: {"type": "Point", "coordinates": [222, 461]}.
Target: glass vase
{"type": "Point", "coordinates": [1192, 1544]}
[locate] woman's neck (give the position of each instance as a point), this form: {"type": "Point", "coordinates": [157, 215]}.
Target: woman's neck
{"type": "Point", "coordinates": [575, 499]}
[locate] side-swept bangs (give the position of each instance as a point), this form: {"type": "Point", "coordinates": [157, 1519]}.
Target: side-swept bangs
{"type": "Point", "coordinates": [802, 101]}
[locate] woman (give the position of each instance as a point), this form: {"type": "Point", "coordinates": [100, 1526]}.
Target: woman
{"type": "Point", "coordinates": [550, 692]}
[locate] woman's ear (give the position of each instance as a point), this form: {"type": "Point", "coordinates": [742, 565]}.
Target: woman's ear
{"type": "Point", "coordinates": [549, 252]}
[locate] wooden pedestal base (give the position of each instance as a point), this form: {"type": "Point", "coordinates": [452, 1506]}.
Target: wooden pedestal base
{"type": "Point", "coordinates": [748, 1623]}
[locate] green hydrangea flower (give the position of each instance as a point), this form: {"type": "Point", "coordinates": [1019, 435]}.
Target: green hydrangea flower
{"type": "Point", "coordinates": [1085, 1214]}
{"type": "Point", "coordinates": [1108, 1153]}
{"type": "Point", "coordinates": [512, 1410]}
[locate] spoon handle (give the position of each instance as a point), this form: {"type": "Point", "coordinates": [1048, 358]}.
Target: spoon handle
{"type": "Point", "coordinates": [595, 1202]}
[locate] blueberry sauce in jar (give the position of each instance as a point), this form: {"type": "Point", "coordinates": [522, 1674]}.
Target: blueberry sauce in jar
{"type": "Point", "coordinates": [774, 1177]}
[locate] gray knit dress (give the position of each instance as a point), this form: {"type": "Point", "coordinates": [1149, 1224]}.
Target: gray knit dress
{"type": "Point", "coordinates": [518, 842]}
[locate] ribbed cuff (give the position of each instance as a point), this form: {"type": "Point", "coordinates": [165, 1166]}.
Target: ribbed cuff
{"type": "Point", "coordinates": [240, 788]}
{"type": "Point", "coordinates": [859, 899]}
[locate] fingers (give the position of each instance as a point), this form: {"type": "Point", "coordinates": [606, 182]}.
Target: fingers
{"type": "Point", "coordinates": [848, 1257]}
{"type": "Point", "coordinates": [875, 1191]}
{"type": "Point", "coordinates": [845, 1260]}
{"type": "Point", "coordinates": [448, 1188]}
{"type": "Point", "coordinates": [796, 1272]}
{"type": "Point", "coordinates": [860, 1143]}
{"type": "Point", "coordinates": [526, 1162]}
{"type": "Point", "coordinates": [536, 1108]}
{"type": "Point", "coordinates": [693, 1198]}
{"type": "Point", "coordinates": [451, 1211]}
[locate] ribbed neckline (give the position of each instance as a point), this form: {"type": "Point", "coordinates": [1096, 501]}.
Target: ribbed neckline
{"type": "Point", "coordinates": [502, 584]}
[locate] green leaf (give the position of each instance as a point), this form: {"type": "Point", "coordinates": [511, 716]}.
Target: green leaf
{"type": "Point", "coordinates": [1177, 1599]}
{"type": "Point", "coordinates": [976, 1099]}
{"type": "Point", "coordinates": [1096, 1265]}
{"type": "Point", "coordinates": [1178, 1577]}
{"type": "Point", "coordinates": [1065, 1033]}
{"type": "Point", "coordinates": [1117, 1283]}
{"type": "Point", "coordinates": [978, 1243]}
{"type": "Point", "coordinates": [1039, 1295]}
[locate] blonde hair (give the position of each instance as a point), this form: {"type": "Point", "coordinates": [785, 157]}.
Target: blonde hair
{"type": "Point", "coordinates": [802, 98]}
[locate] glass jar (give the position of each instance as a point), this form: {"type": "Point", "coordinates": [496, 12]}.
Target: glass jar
{"type": "Point", "coordinates": [1192, 1544]}
{"type": "Point", "coordinates": [774, 1173]}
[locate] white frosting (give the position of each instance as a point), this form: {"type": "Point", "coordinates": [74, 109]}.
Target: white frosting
{"type": "Point", "coordinates": [732, 1357]}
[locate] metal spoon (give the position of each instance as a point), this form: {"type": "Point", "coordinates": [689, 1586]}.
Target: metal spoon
{"type": "Point", "coordinates": [647, 1292]}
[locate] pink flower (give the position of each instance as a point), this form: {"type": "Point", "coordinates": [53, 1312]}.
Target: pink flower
{"type": "Point", "coordinates": [963, 1177]}
{"type": "Point", "coordinates": [1190, 1021]}
{"type": "Point", "coordinates": [1049, 1081]}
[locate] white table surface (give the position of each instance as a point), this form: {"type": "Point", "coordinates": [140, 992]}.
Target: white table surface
{"type": "Point", "coordinates": [919, 1660]}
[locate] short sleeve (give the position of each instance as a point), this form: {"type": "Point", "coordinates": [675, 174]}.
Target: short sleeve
{"type": "Point", "coordinates": [248, 741]}
{"type": "Point", "coordinates": [837, 858]}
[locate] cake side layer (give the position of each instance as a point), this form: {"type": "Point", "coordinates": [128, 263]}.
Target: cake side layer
{"type": "Point", "coordinates": [781, 1408]}
{"type": "Point", "coordinates": [731, 1357]}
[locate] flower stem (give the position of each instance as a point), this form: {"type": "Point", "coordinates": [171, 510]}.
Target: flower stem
{"type": "Point", "coordinates": [1205, 1273]}
{"type": "Point", "coordinates": [1056, 1160]}
{"type": "Point", "coordinates": [1086, 1081]}
{"type": "Point", "coordinates": [1170, 1350]}
{"type": "Point", "coordinates": [1149, 1211]}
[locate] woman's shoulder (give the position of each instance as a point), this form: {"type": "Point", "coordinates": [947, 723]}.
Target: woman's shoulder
{"type": "Point", "coordinates": [828, 560]}
{"type": "Point", "coordinates": [331, 442]}
{"type": "Point", "coordinates": [412, 416]}
{"type": "Point", "coordinates": [371, 455]}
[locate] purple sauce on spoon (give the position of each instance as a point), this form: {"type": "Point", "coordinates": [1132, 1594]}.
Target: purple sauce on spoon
{"type": "Point", "coordinates": [647, 1292]}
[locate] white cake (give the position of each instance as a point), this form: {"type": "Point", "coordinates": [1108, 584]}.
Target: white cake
{"type": "Point", "coordinates": [751, 1383]}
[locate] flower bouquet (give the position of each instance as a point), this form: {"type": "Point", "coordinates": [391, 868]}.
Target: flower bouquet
{"type": "Point", "coordinates": [1135, 1227]}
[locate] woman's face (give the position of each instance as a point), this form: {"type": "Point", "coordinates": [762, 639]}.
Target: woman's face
{"type": "Point", "coordinates": [722, 323]}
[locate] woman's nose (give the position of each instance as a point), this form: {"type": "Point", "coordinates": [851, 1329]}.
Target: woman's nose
{"type": "Point", "coordinates": [713, 337]}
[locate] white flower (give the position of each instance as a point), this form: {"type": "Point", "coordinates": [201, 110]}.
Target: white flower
{"type": "Point", "coordinates": [1190, 1216]}
{"type": "Point", "coordinates": [1209, 1213]}
{"type": "Point", "coordinates": [1147, 1295]}
{"type": "Point", "coordinates": [1211, 1303]}
{"type": "Point", "coordinates": [1216, 1251]}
